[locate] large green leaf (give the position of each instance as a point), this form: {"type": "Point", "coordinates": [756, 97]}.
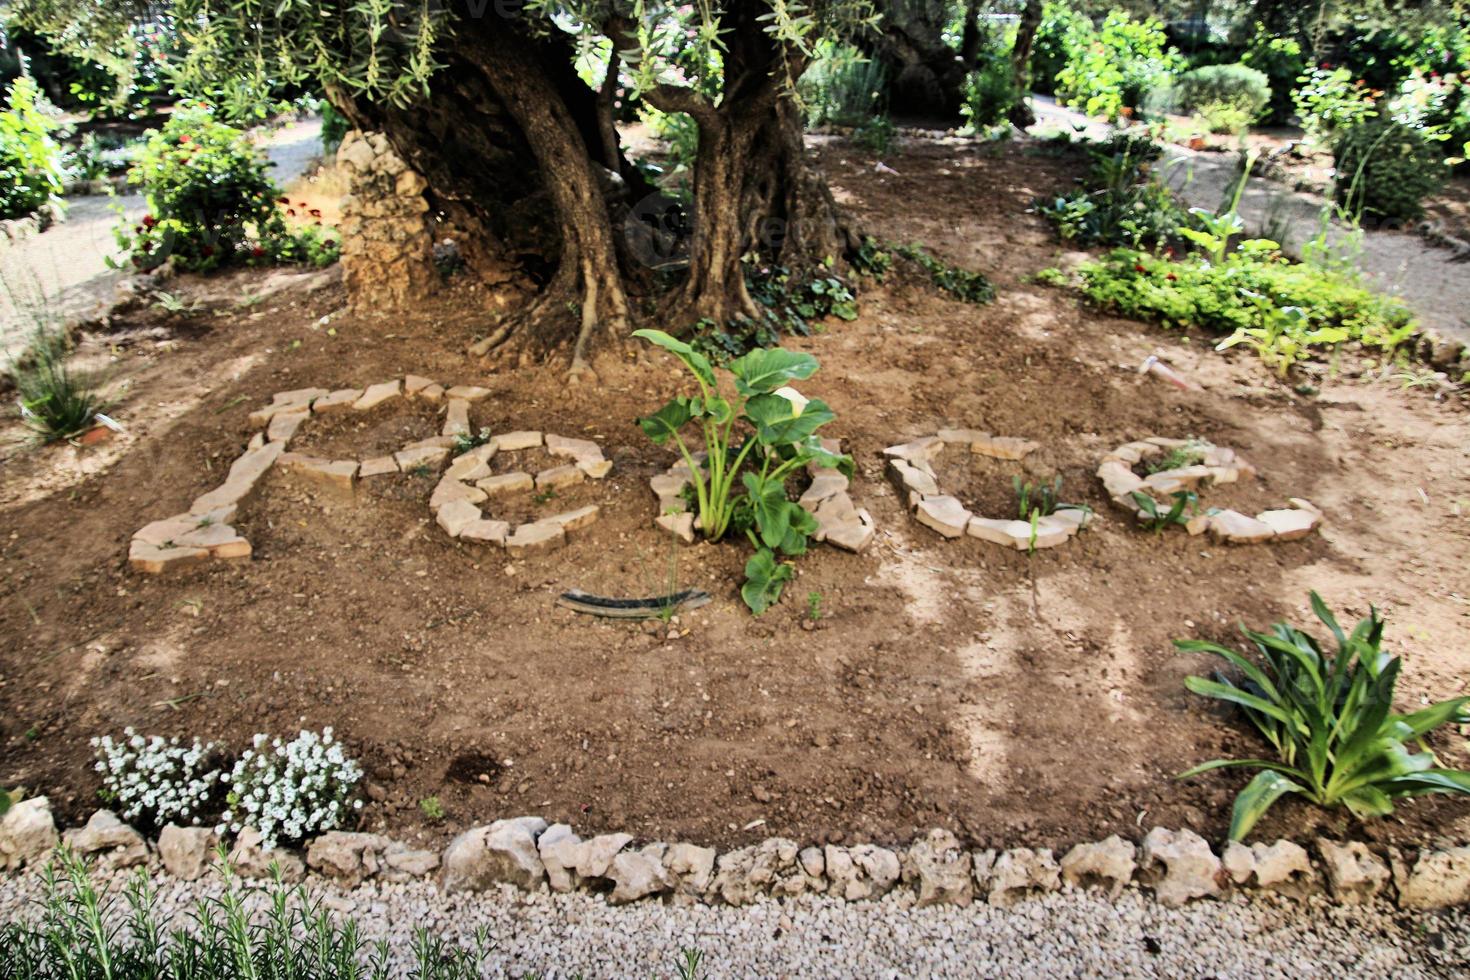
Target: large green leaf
{"type": "Point", "coordinates": [768, 368]}
{"type": "Point", "coordinates": [661, 425]}
{"type": "Point", "coordinates": [771, 509]}
{"type": "Point", "coordinates": [1430, 718]}
{"type": "Point", "coordinates": [692, 358]}
{"type": "Point", "coordinates": [1226, 692]}
{"type": "Point", "coordinates": [1257, 797]}
{"type": "Point", "coordinates": [776, 426]}
{"type": "Point", "coordinates": [1429, 781]}
{"type": "Point", "coordinates": [764, 579]}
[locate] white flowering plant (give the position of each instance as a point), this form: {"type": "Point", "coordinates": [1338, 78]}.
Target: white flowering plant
{"type": "Point", "coordinates": [760, 429]}
{"type": "Point", "coordinates": [289, 790]}
{"type": "Point", "coordinates": [158, 780]}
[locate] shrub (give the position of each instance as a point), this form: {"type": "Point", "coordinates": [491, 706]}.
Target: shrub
{"type": "Point", "coordinates": [288, 790]}
{"type": "Point", "coordinates": [876, 135]}
{"type": "Point", "coordinates": [1122, 202]}
{"type": "Point", "coordinates": [1330, 719]}
{"type": "Point", "coordinates": [1385, 168]}
{"type": "Point", "coordinates": [334, 129]}
{"type": "Point", "coordinates": [1438, 105]}
{"type": "Point", "coordinates": [1120, 65]}
{"type": "Point", "coordinates": [777, 437]}
{"type": "Point", "coordinates": [156, 780]}
{"type": "Point", "coordinates": [1329, 100]}
{"type": "Point", "coordinates": [31, 163]}
{"type": "Point", "coordinates": [1219, 88]}
{"type": "Point", "coordinates": [843, 86]}
{"type": "Point", "coordinates": [55, 401]}
{"type": "Point", "coordinates": [1281, 60]}
{"type": "Point", "coordinates": [1281, 309]}
{"type": "Point", "coordinates": [1061, 38]}
{"type": "Point", "coordinates": [990, 89]}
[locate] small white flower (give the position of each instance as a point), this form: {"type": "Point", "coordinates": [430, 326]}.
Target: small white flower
{"type": "Point", "coordinates": [798, 401]}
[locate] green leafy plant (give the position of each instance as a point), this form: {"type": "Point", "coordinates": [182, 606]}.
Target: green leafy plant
{"type": "Point", "coordinates": [1216, 89]}
{"type": "Point", "coordinates": [1039, 499]}
{"type": "Point", "coordinates": [1386, 168]}
{"type": "Point", "coordinates": [758, 430]}
{"type": "Point", "coordinates": [1109, 73]}
{"type": "Point", "coordinates": [1329, 717]}
{"type": "Point", "coordinates": [990, 89]}
{"type": "Point", "coordinates": [1329, 99]}
{"type": "Point", "coordinates": [432, 808]}
{"type": "Point", "coordinates": [1122, 202]}
{"type": "Point", "coordinates": [962, 284]}
{"type": "Point", "coordinates": [842, 86]}
{"type": "Point", "coordinates": [1154, 518]}
{"type": "Point", "coordinates": [56, 401]}
{"type": "Point", "coordinates": [1281, 60]}
{"type": "Point", "coordinates": [876, 135]}
{"type": "Point", "coordinates": [1189, 454]}
{"type": "Point", "coordinates": [31, 161]}
{"type": "Point", "coordinates": [814, 606]}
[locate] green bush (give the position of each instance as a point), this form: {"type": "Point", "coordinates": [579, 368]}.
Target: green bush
{"type": "Point", "coordinates": [31, 162]}
{"type": "Point", "coordinates": [1281, 309]}
{"type": "Point", "coordinates": [1061, 38]}
{"type": "Point", "coordinates": [843, 86]}
{"type": "Point", "coordinates": [990, 90]}
{"type": "Point", "coordinates": [1212, 87]}
{"type": "Point", "coordinates": [1330, 719]}
{"type": "Point", "coordinates": [1122, 202]}
{"type": "Point", "coordinates": [1118, 66]}
{"type": "Point", "coordinates": [1329, 100]}
{"type": "Point", "coordinates": [334, 129]}
{"type": "Point", "coordinates": [211, 202]}
{"type": "Point", "coordinates": [1386, 168]}
{"type": "Point", "coordinates": [1281, 60]}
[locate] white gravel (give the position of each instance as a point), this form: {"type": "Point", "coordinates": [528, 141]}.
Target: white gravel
{"type": "Point", "coordinates": [1064, 934]}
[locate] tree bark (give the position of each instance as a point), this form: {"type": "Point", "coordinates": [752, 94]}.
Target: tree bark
{"type": "Point", "coordinates": [1021, 114]}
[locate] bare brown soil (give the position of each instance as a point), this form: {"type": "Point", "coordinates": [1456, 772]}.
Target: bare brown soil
{"type": "Point", "coordinates": [932, 691]}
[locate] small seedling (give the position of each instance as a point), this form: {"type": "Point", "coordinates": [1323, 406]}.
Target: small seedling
{"type": "Point", "coordinates": [432, 808]}
{"type": "Point", "coordinates": [1036, 499]}
{"type": "Point", "coordinates": [421, 470]}
{"type": "Point", "coordinates": [465, 441]}
{"type": "Point", "coordinates": [1189, 454]}
{"type": "Point", "coordinates": [814, 606]}
{"type": "Point", "coordinates": [544, 496]}
{"type": "Point", "coordinates": [1157, 520]}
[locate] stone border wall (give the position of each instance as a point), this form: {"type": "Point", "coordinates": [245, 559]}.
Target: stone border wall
{"type": "Point", "coordinates": [1175, 866]}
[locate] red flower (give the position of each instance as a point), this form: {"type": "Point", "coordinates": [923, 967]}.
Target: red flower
{"type": "Point", "coordinates": [1169, 251]}
{"type": "Point", "coordinates": [185, 138]}
{"type": "Point", "coordinates": [1171, 277]}
{"type": "Point", "coordinates": [1138, 267]}
{"type": "Point", "coordinates": [257, 252]}
{"type": "Point", "coordinates": [283, 200]}
{"type": "Point", "coordinates": [291, 212]}
{"type": "Point", "coordinates": [149, 221]}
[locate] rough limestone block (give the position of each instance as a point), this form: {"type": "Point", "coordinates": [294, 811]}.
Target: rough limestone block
{"type": "Point", "coordinates": [414, 385]}
{"type": "Point", "coordinates": [457, 417]}
{"type": "Point", "coordinates": [679, 525]}
{"type": "Point", "coordinates": [284, 425]}
{"type": "Point", "coordinates": [468, 468]}
{"type": "Point", "coordinates": [220, 540]}
{"type": "Point", "coordinates": [1109, 863]}
{"type": "Point", "coordinates": [486, 531]}
{"type": "Point", "coordinates": [826, 483]}
{"type": "Point", "coordinates": [433, 394]}
{"type": "Point", "coordinates": [1438, 880]}
{"type": "Point", "coordinates": [575, 520]}
{"type": "Point", "coordinates": [333, 474]}
{"type": "Point", "coordinates": [559, 478]}
{"type": "Point", "coordinates": [1355, 874]}
{"type": "Point", "coordinates": [337, 401]}
{"type": "Point", "coordinates": [1004, 447]}
{"type": "Point", "coordinates": [469, 393]}
{"type": "Point", "coordinates": [669, 484]}
{"type": "Point", "coordinates": [925, 449]}
{"type": "Point", "coordinates": [961, 437]}
{"type": "Point", "coordinates": [1289, 525]}
{"type": "Point", "coordinates": [449, 491]}
{"type": "Point", "coordinates": [377, 394]}
{"type": "Point", "coordinates": [511, 441]}
{"type": "Point", "coordinates": [595, 468]}
{"type": "Point", "coordinates": [1179, 865]}
{"type": "Point", "coordinates": [430, 456]}
{"type": "Point", "coordinates": [854, 537]}
{"type": "Point", "coordinates": [944, 514]}
{"type": "Point", "coordinates": [507, 483]}
{"type": "Point", "coordinates": [1234, 527]}
{"type": "Point", "coordinates": [573, 448]}
{"type": "Point", "coordinates": [152, 559]}
{"type": "Point", "coordinates": [1119, 481]}
{"type": "Point", "coordinates": [531, 539]}
{"type": "Point", "coordinates": [380, 466]}
{"type": "Point", "coordinates": [245, 472]}
{"type": "Point", "coordinates": [285, 401]}
{"type": "Point", "coordinates": [910, 479]}
{"type": "Point", "coordinates": [456, 515]}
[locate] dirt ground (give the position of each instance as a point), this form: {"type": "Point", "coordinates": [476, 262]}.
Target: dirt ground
{"type": "Point", "coordinates": [939, 686]}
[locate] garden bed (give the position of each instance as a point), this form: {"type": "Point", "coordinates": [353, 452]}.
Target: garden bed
{"type": "Point", "coordinates": [931, 691]}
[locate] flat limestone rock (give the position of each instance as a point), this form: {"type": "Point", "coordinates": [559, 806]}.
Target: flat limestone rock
{"type": "Point", "coordinates": [457, 417]}
{"type": "Point", "coordinates": [456, 515]}
{"type": "Point", "coordinates": [334, 474]}
{"type": "Point", "coordinates": [468, 468]}
{"type": "Point", "coordinates": [507, 483]}
{"type": "Point", "coordinates": [433, 394]}
{"type": "Point", "coordinates": [411, 458]}
{"type": "Point", "coordinates": [944, 514]}
{"type": "Point", "coordinates": [380, 466]}
{"type": "Point", "coordinates": [530, 539]}
{"type": "Point", "coordinates": [163, 532]}
{"type": "Point", "coordinates": [449, 491]}
{"type": "Point", "coordinates": [595, 468]}
{"type": "Point", "coordinates": [826, 483]}
{"type": "Point", "coordinates": [1290, 525]}
{"type": "Point", "coordinates": [575, 520]}
{"type": "Point", "coordinates": [854, 536]}
{"type": "Point", "coordinates": [154, 560]}
{"type": "Point", "coordinates": [377, 394]}
{"type": "Point", "coordinates": [220, 540]}
{"type": "Point", "coordinates": [284, 425]}
{"type": "Point", "coordinates": [1236, 528]}
{"type": "Point", "coordinates": [1004, 447]}
{"type": "Point", "coordinates": [244, 474]}
{"type": "Point", "coordinates": [924, 449]}
{"type": "Point", "coordinates": [961, 437]}
{"type": "Point", "coordinates": [559, 477]}
{"type": "Point", "coordinates": [469, 393]}
{"type": "Point", "coordinates": [680, 526]}
{"type": "Point", "coordinates": [285, 401]}
{"type": "Point", "coordinates": [485, 531]}
{"type": "Point", "coordinates": [509, 442]}
{"type": "Point", "coordinates": [337, 401]}
{"type": "Point", "coordinates": [414, 385]}
{"type": "Point", "coordinates": [574, 448]}
{"type": "Point", "coordinates": [911, 479]}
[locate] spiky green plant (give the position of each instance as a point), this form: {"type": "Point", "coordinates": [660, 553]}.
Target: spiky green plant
{"type": "Point", "coordinates": [55, 400]}
{"type": "Point", "coordinates": [1330, 718]}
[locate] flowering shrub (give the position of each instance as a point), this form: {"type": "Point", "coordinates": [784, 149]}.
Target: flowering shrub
{"type": "Point", "coordinates": [30, 159]}
{"type": "Point", "coordinates": [1439, 105]}
{"type": "Point", "coordinates": [211, 202]}
{"type": "Point", "coordinates": [156, 780]}
{"type": "Point", "coordinates": [287, 790]}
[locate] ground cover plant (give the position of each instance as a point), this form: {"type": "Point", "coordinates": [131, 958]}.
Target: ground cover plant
{"type": "Point", "coordinates": [158, 781]}
{"type": "Point", "coordinates": [1329, 716]}
{"type": "Point", "coordinates": [757, 428]}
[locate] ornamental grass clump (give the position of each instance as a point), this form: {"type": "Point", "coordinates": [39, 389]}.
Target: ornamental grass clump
{"type": "Point", "coordinates": [290, 790]}
{"type": "Point", "coordinates": [157, 780]}
{"type": "Point", "coordinates": [755, 428]}
{"type": "Point", "coordinates": [1330, 719]}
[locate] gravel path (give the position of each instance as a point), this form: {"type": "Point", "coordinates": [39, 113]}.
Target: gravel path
{"type": "Point", "coordinates": [1395, 262]}
{"type": "Point", "coordinates": [1064, 934]}
{"type": "Point", "coordinates": [65, 267]}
